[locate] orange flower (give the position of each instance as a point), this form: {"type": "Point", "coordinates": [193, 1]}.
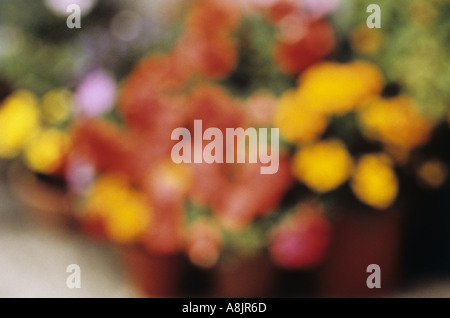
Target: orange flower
{"type": "Point", "coordinates": [211, 56]}
{"type": "Point", "coordinates": [207, 46]}
{"type": "Point", "coordinates": [248, 194]}
{"type": "Point", "coordinates": [110, 149]}
{"type": "Point", "coordinates": [124, 211]}
{"type": "Point", "coordinates": [317, 42]}
{"type": "Point", "coordinates": [213, 17]}
{"type": "Point", "coordinates": [166, 184]}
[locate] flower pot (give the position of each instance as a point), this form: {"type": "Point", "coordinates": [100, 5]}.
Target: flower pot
{"type": "Point", "coordinates": [45, 198]}
{"type": "Point", "coordinates": [251, 277]}
{"type": "Point", "coordinates": [152, 275]}
{"type": "Point", "coordinates": [362, 238]}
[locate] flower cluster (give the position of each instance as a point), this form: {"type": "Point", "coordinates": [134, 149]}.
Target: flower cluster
{"type": "Point", "coordinates": [205, 209]}
{"type": "Point", "coordinates": [31, 129]}
{"type": "Point", "coordinates": [269, 64]}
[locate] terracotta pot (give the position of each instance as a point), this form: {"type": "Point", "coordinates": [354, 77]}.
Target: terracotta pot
{"type": "Point", "coordinates": [252, 277]}
{"type": "Point", "coordinates": [46, 201]}
{"type": "Point", "coordinates": [152, 275]}
{"type": "Point", "coordinates": [362, 238]}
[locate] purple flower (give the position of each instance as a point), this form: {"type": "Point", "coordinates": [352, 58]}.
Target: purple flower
{"type": "Point", "coordinates": [80, 174]}
{"type": "Point", "coordinates": [96, 94]}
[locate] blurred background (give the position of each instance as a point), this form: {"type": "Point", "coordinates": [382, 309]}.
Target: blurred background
{"type": "Point", "coordinates": [86, 176]}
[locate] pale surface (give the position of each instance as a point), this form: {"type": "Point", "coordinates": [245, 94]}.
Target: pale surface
{"type": "Point", "coordinates": [34, 257]}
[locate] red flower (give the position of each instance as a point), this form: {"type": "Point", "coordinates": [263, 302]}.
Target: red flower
{"type": "Point", "coordinates": [249, 194]}
{"type": "Point", "coordinates": [108, 148]}
{"type": "Point", "coordinates": [302, 241]}
{"type": "Point", "coordinates": [213, 17]}
{"type": "Point", "coordinates": [317, 42]}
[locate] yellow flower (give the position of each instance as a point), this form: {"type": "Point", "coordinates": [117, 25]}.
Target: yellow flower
{"type": "Point", "coordinates": [296, 122]}
{"type": "Point", "coordinates": [124, 210]}
{"type": "Point", "coordinates": [374, 181]}
{"type": "Point", "coordinates": [19, 121]}
{"type": "Point", "coordinates": [44, 152]}
{"type": "Point", "coordinates": [323, 166]}
{"type": "Point", "coordinates": [395, 121]}
{"type": "Point", "coordinates": [57, 105]}
{"type": "Point", "coordinates": [333, 88]}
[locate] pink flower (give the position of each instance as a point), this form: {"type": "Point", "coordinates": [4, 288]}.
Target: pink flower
{"type": "Point", "coordinates": [96, 94]}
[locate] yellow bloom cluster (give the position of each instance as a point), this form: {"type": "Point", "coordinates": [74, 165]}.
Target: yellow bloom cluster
{"type": "Point", "coordinates": [323, 166]}
{"type": "Point", "coordinates": [395, 122]}
{"type": "Point", "coordinates": [325, 89]}
{"type": "Point", "coordinates": [296, 122]}
{"type": "Point", "coordinates": [328, 89]}
{"type": "Point", "coordinates": [57, 105]}
{"type": "Point", "coordinates": [333, 88]}
{"type": "Point", "coordinates": [124, 210]}
{"type": "Point", "coordinates": [19, 122]}
{"type": "Point", "coordinates": [23, 129]}
{"type": "Point", "coordinates": [374, 181]}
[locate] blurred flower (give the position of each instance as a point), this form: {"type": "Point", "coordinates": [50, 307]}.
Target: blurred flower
{"type": "Point", "coordinates": [203, 242]}
{"type": "Point", "coordinates": [323, 166]}
{"type": "Point", "coordinates": [237, 193]}
{"type": "Point", "coordinates": [166, 184]}
{"type": "Point", "coordinates": [374, 181]}
{"type": "Point", "coordinates": [46, 151]}
{"type": "Point", "coordinates": [127, 25]}
{"type": "Point", "coordinates": [277, 10]}
{"type": "Point", "coordinates": [211, 56]}
{"type": "Point", "coordinates": [80, 174]}
{"type": "Point", "coordinates": [148, 103]}
{"type": "Point", "coordinates": [259, 108]}
{"type": "Point", "coordinates": [395, 121]}
{"type": "Point", "coordinates": [213, 17]}
{"type": "Point", "coordinates": [59, 7]}
{"type": "Point", "coordinates": [248, 194]}
{"type": "Point", "coordinates": [124, 210]}
{"type": "Point", "coordinates": [319, 8]}
{"type": "Point", "coordinates": [365, 40]}
{"type": "Point", "coordinates": [168, 181]}
{"type": "Point", "coordinates": [334, 88]}
{"type": "Point", "coordinates": [296, 122]}
{"type": "Point", "coordinates": [206, 45]}
{"type": "Point", "coordinates": [57, 105]}
{"type": "Point", "coordinates": [317, 42]}
{"type": "Point", "coordinates": [19, 122]}
{"type": "Point", "coordinates": [96, 94]}
{"type": "Point", "coordinates": [302, 239]}
{"type": "Point", "coordinates": [432, 173]}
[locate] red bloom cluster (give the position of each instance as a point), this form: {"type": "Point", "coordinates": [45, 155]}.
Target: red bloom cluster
{"type": "Point", "coordinates": [163, 93]}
